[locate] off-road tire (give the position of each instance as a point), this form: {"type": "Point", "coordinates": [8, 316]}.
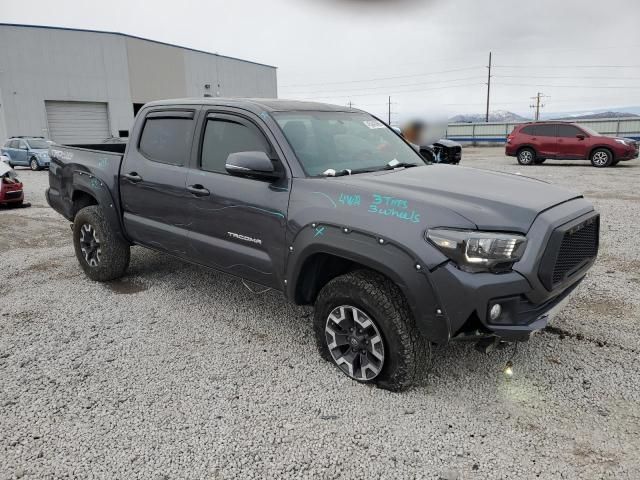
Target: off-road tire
{"type": "Point", "coordinates": [601, 158]}
{"type": "Point", "coordinates": [527, 156]}
{"type": "Point", "coordinates": [115, 252]}
{"type": "Point", "coordinates": [406, 352]}
{"type": "Point", "coordinates": [33, 164]}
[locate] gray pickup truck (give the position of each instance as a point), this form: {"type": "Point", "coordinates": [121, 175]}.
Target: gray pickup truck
{"type": "Point", "coordinates": [333, 208]}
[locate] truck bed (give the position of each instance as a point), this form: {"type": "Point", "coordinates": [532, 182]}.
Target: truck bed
{"type": "Point", "coordinates": [77, 171]}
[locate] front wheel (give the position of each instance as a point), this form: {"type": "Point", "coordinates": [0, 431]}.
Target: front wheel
{"type": "Point", "coordinates": [601, 157]}
{"type": "Point", "coordinates": [34, 165]}
{"type": "Point", "coordinates": [526, 156]}
{"type": "Point", "coordinates": [101, 253]}
{"type": "Point", "coordinates": [364, 326]}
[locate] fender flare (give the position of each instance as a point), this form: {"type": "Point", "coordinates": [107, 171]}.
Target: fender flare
{"type": "Point", "coordinates": [94, 186]}
{"type": "Point", "coordinates": [378, 253]}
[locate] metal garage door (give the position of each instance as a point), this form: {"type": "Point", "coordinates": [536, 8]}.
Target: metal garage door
{"type": "Point", "coordinates": [77, 122]}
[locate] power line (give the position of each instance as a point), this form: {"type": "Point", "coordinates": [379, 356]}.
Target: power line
{"type": "Point", "coordinates": [380, 78]}
{"type": "Point", "coordinates": [566, 86]}
{"type": "Point", "coordinates": [567, 77]}
{"type": "Point", "coordinates": [395, 91]}
{"type": "Point", "coordinates": [567, 66]}
{"type": "Point", "coordinates": [388, 87]}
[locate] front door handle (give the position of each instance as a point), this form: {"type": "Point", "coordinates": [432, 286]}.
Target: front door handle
{"type": "Point", "coordinates": [198, 190]}
{"type": "Point", "coordinates": [133, 177]}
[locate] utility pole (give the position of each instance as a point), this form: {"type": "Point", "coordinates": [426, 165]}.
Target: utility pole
{"type": "Point", "coordinates": [389, 117]}
{"type": "Point", "coordinates": [537, 105]}
{"type": "Point", "coordinates": [486, 117]}
{"type": "Point", "coordinates": [349, 104]}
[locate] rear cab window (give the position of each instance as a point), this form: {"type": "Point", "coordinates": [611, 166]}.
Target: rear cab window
{"type": "Point", "coordinates": [166, 136]}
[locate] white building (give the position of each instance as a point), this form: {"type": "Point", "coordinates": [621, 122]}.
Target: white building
{"type": "Point", "coordinates": [82, 86]}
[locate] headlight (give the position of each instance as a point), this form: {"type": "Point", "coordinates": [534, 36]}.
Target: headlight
{"type": "Point", "coordinates": [474, 251]}
{"type": "Point", "coordinates": [622, 141]}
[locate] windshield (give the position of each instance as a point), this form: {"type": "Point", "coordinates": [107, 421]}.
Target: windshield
{"type": "Point", "coordinates": [36, 143]}
{"type": "Point", "coordinates": [589, 131]}
{"type": "Point", "coordinates": [344, 141]}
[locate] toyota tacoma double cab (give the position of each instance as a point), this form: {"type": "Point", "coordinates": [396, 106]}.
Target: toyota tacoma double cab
{"type": "Point", "coordinates": [334, 209]}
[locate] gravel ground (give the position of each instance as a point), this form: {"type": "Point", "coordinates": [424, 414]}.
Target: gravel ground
{"type": "Point", "coordinates": [178, 372]}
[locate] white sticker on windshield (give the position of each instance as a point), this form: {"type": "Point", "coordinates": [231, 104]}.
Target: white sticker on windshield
{"type": "Point", "coordinates": [373, 124]}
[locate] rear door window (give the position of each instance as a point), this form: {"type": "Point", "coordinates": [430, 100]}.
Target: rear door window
{"type": "Point", "coordinates": [528, 130]}
{"type": "Point", "coordinates": [167, 136]}
{"type": "Point", "coordinates": [568, 131]}
{"type": "Point", "coordinates": [546, 130]}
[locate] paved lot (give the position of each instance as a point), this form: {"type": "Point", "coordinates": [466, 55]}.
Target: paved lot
{"type": "Point", "coordinates": [178, 372]}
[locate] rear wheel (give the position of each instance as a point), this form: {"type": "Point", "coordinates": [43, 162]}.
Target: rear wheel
{"type": "Point", "coordinates": [101, 253]}
{"type": "Point", "coordinates": [33, 163]}
{"type": "Point", "coordinates": [601, 157]}
{"type": "Point", "coordinates": [526, 156]}
{"type": "Point", "coordinates": [364, 327]}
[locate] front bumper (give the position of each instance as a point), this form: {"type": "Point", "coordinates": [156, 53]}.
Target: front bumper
{"type": "Point", "coordinates": [527, 304]}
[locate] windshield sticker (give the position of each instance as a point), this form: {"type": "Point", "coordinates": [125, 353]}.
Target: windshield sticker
{"type": "Point", "coordinates": [373, 124]}
{"type": "Point", "coordinates": [393, 207]}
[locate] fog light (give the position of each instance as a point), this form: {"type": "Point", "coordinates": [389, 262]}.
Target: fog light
{"type": "Point", "coordinates": [495, 311]}
{"type": "Point", "coordinates": [508, 369]}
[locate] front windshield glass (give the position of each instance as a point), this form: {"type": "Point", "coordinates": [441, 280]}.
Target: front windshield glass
{"type": "Point", "coordinates": [344, 141]}
{"type": "Point", "coordinates": [36, 143]}
{"type": "Point", "coordinates": [590, 131]}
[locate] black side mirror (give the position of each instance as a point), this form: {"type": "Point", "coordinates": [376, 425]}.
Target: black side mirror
{"type": "Point", "coordinates": [251, 164]}
{"type": "Point", "coordinates": [580, 136]}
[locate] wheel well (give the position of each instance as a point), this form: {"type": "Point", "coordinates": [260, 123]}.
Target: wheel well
{"type": "Point", "coordinates": [526, 147]}
{"type": "Point", "coordinates": [318, 270]}
{"type": "Point", "coordinates": [613, 157]}
{"type": "Point", "coordinates": [81, 199]}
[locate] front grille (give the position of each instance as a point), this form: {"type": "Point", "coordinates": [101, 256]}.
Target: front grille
{"type": "Point", "coordinates": [569, 250]}
{"type": "Point", "coordinates": [577, 247]}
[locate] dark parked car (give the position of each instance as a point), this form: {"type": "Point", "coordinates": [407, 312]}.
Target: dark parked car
{"type": "Point", "coordinates": [332, 208]}
{"type": "Point", "coordinates": [30, 152]}
{"type": "Point", "coordinates": [442, 151]}
{"type": "Point", "coordinates": [533, 143]}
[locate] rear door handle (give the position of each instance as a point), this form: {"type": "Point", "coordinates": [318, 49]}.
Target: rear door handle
{"type": "Point", "coordinates": [133, 177]}
{"type": "Point", "coordinates": [198, 190]}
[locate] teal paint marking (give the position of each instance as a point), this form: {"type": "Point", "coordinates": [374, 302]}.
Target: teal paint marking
{"type": "Point", "coordinates": [95, 183]}
{"type": "Point", "coordinates": [393, 207]}
{"type": "Point", "coordinates": [328, 197]}
{"type": "Point", "coordinates": [103, 163]}
{"type": "Point", "coordinates": [319, 231]}
{"type": "Point", "coordinates": [350, 200]}
{"type": "Point", "coordinates": [264, 115]}
{"type": "Point", "coordinates": [282, 189]}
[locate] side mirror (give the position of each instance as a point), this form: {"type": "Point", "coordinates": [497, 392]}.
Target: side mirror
{"type": "Point", "coordinates": [580, 136]}
{"type": "Point", "coordinates": [251, 164]}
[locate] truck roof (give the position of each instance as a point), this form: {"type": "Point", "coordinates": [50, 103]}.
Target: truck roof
{"type": "Point", "coordinates": [256, 105]}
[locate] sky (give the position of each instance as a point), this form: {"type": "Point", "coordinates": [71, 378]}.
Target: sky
{"type": "Point", "coordinates": [427, 55]}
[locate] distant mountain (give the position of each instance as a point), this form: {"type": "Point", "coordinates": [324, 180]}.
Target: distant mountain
{"type": "Point", "coordinates": [496, 116]}
{"type": "Point", "coordinates": [593, 116]}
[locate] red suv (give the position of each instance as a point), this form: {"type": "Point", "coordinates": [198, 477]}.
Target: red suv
{"type": "Point", "coordinates": [533, 143]}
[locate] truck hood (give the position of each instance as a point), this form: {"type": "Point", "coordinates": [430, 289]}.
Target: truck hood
{"type": "Point", "coordinates": [490, 200]}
